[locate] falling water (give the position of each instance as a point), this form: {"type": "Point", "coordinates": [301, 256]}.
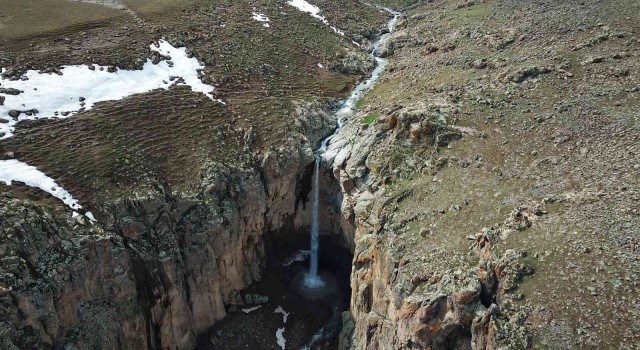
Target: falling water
{"type": "Point", "coordinates": [312, 280]}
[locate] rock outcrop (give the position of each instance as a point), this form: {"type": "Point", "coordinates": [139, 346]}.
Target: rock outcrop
{"type": "Point", "coordinates": [409, 298]}
{"type": "Point", "coordinates": [159, 268]}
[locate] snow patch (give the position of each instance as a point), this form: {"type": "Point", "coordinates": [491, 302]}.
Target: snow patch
{"type": "Point", "coordinates": [15, 170]}
{"type": "Point", "coordinates": [285, 315]}
{"type": "Point", "coordinates": [50, 95]}
{"type": "Point", "coordinates": [90, 216]}
{"type": "Point", "coordinates": [337, 31]}
{"type": "Point", "coordinates": [304, 6]}
{"type": "Point", "coordinates": [280, 338]}
{"type": "Point", "coordinates": [78, 88]}
{"type": "Point", "coordinates": [261, 18]}
{"type": "Point", "coordinates": [251, 309]}
{"type": "Point", "coordinates": [314, 11]}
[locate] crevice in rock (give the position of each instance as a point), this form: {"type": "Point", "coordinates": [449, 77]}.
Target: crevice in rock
{"type": "Point", "coordinates": [145, 299]}
{"type": "Point", "coordinates": [457, 339]}
{"type": "Point", "coordinates": [303, 185]}
{"type": "Point", "coordinates": [488, 293]}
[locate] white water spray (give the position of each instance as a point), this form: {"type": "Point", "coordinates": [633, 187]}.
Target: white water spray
{"type": "Point", "coordinates": [312, 280]}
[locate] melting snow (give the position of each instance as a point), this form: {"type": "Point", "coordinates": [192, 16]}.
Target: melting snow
{"type": "Point", "coordinates": [51, 94]}
{"type": "Point", "coordinates": [261, 18]}
{"type": "Point", "coordinates": [304, 6]}
{"type": "Point", "coordinates": [280, 338]}
{"type": "Point", "coordinates": [337, 31]}
{"type": "Point", "coordinates": [78, 88]}
{"type": "Point", "coordinates": [251, 309]}
{"type": "Point", "coordinates": [15, 170]}
{"type": "Point", "coordinates": [285, 315]}
{"type": "Point", "coordinates": [314, 11]}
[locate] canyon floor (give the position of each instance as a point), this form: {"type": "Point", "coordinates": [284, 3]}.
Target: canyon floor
{"type": "Point", "coordinates": [487, 186]}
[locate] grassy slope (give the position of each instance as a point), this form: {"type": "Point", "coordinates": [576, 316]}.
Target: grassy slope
{"type": "Point", "coordinates": [19, 19]}
{"type": "Point", "coordinates": [584, 242]}
{"type": "Point", "coordinates": [131, 145]}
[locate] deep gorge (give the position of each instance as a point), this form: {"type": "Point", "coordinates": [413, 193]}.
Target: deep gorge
{"type": "Point", "coordinates": [281, 284]}
{"type": "Point", "coordinates": [479, 190]}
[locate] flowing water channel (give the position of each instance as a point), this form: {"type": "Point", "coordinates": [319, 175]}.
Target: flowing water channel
{"type": "Point", "coordinates": [312, 280]}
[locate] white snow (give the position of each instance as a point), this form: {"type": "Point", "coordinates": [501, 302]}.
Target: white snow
{"type": "Point", "coordinates": [337, 31]}
{"type": "Point", "coordinates": [51, 94]}
{"type": "Point", "coordinates": [280, 338]}
{"type": "Point", "coordinates": [314, 11]}
{"type": "Point", "coordinates": [251, 309]}
{"type": "Point", "coordinates": [285, 315]}
{"type": "Point", "coordinates": [304, 6]}
{"type": "Point", "coordinates": [15, 170]}
{"type": "Point", "coordinates": [261, 18]}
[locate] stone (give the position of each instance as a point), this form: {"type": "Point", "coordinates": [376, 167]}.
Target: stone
{"type": "Point", "coordinates": [255, 299]}
{"type": "Point", "coordinates": [354, 62]}
{"type": "Point", "coordinates": [479, 63]}
{"type": "Point", "coordinates": [10, 91]}
{"type": "Point", "coordinates": [14, 114]}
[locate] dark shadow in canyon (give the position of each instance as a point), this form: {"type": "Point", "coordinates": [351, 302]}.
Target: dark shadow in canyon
{"type": "Point", "coordinates": [257, 329]}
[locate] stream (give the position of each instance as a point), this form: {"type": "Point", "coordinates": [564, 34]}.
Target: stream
{"type": "Point", "coordinates": [313, 282]}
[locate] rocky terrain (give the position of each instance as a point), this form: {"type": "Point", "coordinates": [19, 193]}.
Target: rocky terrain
{"type": "Point", "coordinates": [184, 189]}
{"type": "Point", "coordinates": [492, 176]}
{"type": "Point", "coordinates": [487, 185]}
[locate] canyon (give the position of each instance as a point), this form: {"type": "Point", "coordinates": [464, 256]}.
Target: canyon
{"type": "Point", "coordinates": [477, 187]}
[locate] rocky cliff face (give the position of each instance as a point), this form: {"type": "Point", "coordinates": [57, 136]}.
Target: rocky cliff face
{"type": "Point", "coordinates": [487, 186]}
{"type": "Point", "coordinates": [404, 296]}
{"type": "Point", "coordinates": [470, 175]}
{"type": "Point", "coordinates": [161, 268]}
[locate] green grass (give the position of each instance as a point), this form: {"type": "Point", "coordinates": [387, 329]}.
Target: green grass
{"type": "Point", "coordinates": [145, 7]}
{"type": "Point", "coordinates": [42, 17]}
{"type": "Point", "coordinates": [370, 118]}
{"type": "Point", "coordinates": [396, 4]}
{"type": "Point", "coordinates": [471, 14]}
{"type": "Point", "coordinates": [340, 86]}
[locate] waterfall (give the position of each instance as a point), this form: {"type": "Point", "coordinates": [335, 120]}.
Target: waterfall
{"type": "Point", "coordinates": [312, 280]}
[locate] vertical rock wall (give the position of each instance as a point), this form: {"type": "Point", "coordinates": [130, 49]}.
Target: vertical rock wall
{"type": "Point", "coordinates": [160, 267]}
